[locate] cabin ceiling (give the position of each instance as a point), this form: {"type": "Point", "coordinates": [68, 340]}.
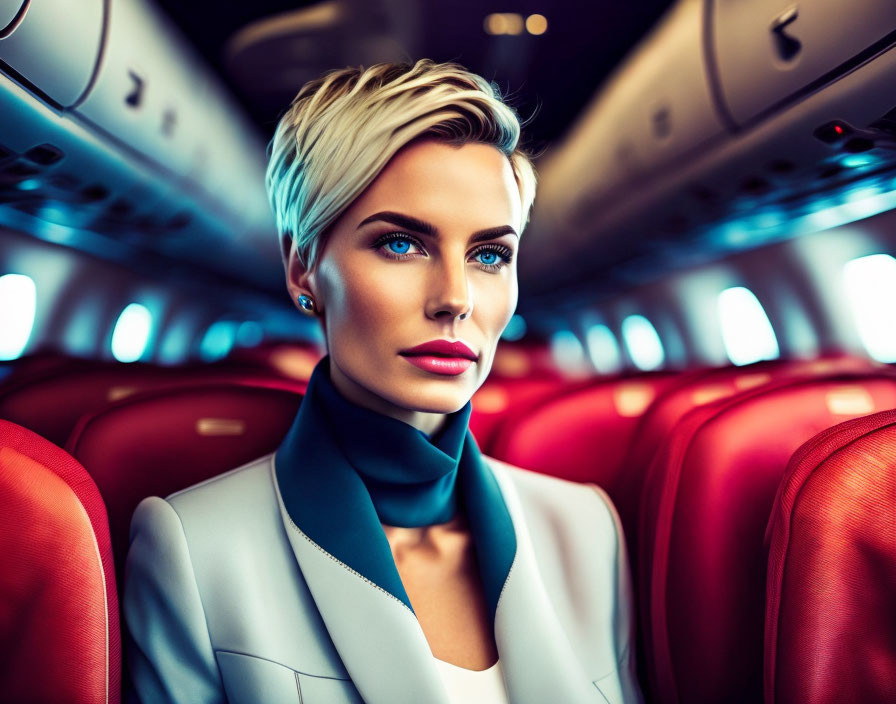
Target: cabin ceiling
{"type": "Point", "coordinates": [552, 75]}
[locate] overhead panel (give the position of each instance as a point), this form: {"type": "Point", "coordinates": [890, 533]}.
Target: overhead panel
{"type": "Point", "coordinates": [672, 115]}
{"type": "Point", "coordinates": [152, 155]}
{"type": "Point", "coordinates": [63, 173]}
{"type": "Point", "coordinates": [655, 113]}
{"type": "Point", "coordinates": [143, 88]}
{"type": "Point", "coordinates": [53, 46]}
{"type": "Point", "coordinates": [227, 140]}
{"type": "Point", "coordinates": [770, 51]}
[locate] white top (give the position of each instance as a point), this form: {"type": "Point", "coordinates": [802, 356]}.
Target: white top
{"type": "Point", "coordinates": [473, 686]}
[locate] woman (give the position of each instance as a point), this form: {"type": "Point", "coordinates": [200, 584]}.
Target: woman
{"type": "Point", "coordinates": [377, 556]}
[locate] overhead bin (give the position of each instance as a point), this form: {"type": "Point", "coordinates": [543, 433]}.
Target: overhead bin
{"type": "Point", "coordinates": [153, 94]}
{"type": "Point", "coordinates": [227, 139]}
{"type": "Point", "coordinates": [654, 112]}
{"type": "Point", "coordinates": [53, 45]}
{"type": "Point", "coordinates": [152, 156]}
{"type": "Point", "coordinates": [66, 183]}
{"type": "Point", "coordinates": [146, 85]}
{"type": "Point", "coordinates": [767, 52]}
{"type": "Point", "coordinates": [806, 155]}
{"type": "Point", "coordinates": [670, 112]}
{"type": "Point", "coordinates": [11, 13]}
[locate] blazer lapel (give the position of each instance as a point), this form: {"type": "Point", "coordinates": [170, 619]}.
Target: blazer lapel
{"type": "Point", "coordinates": [377, 636]}
{"type": "Point", "coordinates": [538, 661]}
{"type": "Point", "coordinates": [386, 653]}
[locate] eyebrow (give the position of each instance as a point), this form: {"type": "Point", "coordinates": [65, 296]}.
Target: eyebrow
{"type": "Point", "coordinates": [424, 228]}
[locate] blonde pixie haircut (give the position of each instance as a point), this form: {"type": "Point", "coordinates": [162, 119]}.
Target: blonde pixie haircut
{"type": "Point", "coordinates": [342, 128]}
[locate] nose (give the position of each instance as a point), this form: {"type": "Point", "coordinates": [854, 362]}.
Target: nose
{"type": "Point", "coordinates": [450, 297]}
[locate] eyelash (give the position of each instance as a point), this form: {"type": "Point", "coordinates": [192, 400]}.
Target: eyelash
{"type": "Point", "coordinates": [504, 253]}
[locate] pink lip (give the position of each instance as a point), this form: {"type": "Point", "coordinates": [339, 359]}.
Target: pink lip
{"type": "Point", "coordinates": [441, 357]}
{"type": "Point", "coordinates": [449, 366]}
{"type": "Point", "coordinates": [442, 348]}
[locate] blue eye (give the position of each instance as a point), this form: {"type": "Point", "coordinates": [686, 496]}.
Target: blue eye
{"type": "Point", "coordinates": [488, 257]}
{"type": "Point", "coordinates": [399, 246]}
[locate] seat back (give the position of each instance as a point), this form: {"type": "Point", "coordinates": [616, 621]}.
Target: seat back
{"type": "Point", "coordinates": [52, 403]}
{"type": "Point", "coordinates": [707, 499]}
{"type": "Point", "coordinates": [59, 629]}
{"type": "Point", "coordinates": [158, 442]}
{"type": "Point", "coordinates": [292, 360]}
{"type": "Point", "coordinates": [582, 433]}
{"type": "Point", "coordinates": [692, 390]}
{"type": "Point", "coordinates": [830, 629]}
{"type": "Point", "coordinates": [45, 361]}
{"type": "Point", "coordinates": [500, 400]}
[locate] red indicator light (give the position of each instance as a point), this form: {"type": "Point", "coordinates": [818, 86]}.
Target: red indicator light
{"type": "Point", "coordinates": [832, 132]}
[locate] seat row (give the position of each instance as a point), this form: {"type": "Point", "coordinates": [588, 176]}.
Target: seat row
{"type": "Point", "coordinates": [706, 472]}
{"type": "Point", "coordinates": [751, 554]}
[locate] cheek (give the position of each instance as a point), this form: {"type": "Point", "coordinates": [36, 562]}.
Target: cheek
{"type": "Point", "coordinates": [365, 301]}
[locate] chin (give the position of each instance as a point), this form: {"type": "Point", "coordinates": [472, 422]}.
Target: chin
{"type": "Point", "coordinates": [434, 396]}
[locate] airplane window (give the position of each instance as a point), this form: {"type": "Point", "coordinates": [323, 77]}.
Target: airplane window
{"type": "Point", "coordinates": [131, 334]}
{"type": "Point", "coordinates": [567, 351]}
{"type": "Point", "coordinates": [249, 334]}
{"type": "Point", "coordinates": [18, 303]}
{"type": "Point", "coordinates": [515, 329]}
{"type": "Point", "coordinates": [603, 349]}
{"type": "Point", "coordinates": [643, 343]}
{"type": "Point", "coordinates": [746, 330]}
{"type": "Point", "coordinates": [218, 340]}
{"type": "Point", "coordinates": [871, 288]}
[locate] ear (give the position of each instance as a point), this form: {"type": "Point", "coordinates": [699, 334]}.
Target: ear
{"type": "Point", "coordinates": [299, 279]}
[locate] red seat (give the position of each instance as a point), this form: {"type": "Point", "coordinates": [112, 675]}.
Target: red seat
{"type": "Point", "coordinates": [830, 633]}
{"type": "Point", "coordinates": [707, 498]}
{"type": "Point", "coordinates": [158, 442]}
{"type": "Point", "coordinates": [524, 360]}
{"type": "Point", "coordinates": [59, 631]}
{"type": "Point", "coordinates": [44, 361]}
{"type": "Point", "coordinates": [292, 360]}
{"type": "Point", "coordinates": [581, 433]}
{"type": "Point", "coordinates": [692, 390]}
{"type": "Point", "coordinates": [51, 404]}
{"type": "Point", "coordinates": [498, 399]}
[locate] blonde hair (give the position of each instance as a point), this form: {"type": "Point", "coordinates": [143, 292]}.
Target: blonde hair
{"type": "Point", "coordinates": [342, 128]}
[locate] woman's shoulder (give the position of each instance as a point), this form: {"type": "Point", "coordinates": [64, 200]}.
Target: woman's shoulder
{"type": "Point", "coordinates": [214, 503]}
{"type": "Point", "coordinates": [229, 481]}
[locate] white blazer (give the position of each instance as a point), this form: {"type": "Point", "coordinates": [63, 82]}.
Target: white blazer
{"type": "Point", "coordinates": [227, 600]}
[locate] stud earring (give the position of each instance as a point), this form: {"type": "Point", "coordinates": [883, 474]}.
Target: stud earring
{"type": "Point", "coordinates": [306, 303]}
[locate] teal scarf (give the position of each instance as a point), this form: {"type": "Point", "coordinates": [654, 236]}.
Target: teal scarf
{"type": "Point", "coordinates": [343, 470]}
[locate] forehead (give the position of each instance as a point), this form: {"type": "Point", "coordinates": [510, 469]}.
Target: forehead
{"type": "Point", "coordinates": [470, 186]}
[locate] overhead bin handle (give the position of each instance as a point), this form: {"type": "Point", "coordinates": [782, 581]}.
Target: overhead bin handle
{"type": "Point", "coordinates": [786, 45]}
{"type": "Point", "coordinates": [135, 96]}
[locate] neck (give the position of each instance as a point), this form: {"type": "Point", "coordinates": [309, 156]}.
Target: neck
{"type": "Point", "coordinates": [429, 423]}
{"type": "Point", "coordinates": [437, 538]}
